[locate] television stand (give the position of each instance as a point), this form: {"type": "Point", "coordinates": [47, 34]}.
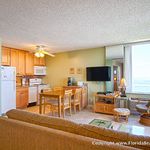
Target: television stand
{"type": "Point", "coordinates": [104, 103]}
{"type": "Point", "coordinates": [101, 93]}
{"type": "Point", "coordinates": [107, 92]}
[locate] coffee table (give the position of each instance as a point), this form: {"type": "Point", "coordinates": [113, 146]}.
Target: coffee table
{"type": "Point", "coordinates": [136, 130]}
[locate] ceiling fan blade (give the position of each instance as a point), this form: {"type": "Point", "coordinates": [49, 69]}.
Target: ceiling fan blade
{"type": "Point", "coordinates": [44, 52]}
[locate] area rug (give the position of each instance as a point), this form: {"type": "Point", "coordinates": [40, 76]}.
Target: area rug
{"type": "Point", "coordinates": [101, 123]}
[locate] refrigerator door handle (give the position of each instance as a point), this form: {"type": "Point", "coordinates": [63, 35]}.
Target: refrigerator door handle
{"type": "Point", "coordinates": [14, 75]}
{"type": "Point", "coordinates": [14, 85]}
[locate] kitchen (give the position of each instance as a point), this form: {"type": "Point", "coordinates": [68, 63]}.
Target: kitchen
{"type": "Point", "coordinates": [27, 76]}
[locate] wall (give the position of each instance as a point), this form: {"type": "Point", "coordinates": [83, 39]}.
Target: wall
{"type": "Point", "coordinates": [0, 74]}
{"type": "Point", "coordinates": [58, 67]}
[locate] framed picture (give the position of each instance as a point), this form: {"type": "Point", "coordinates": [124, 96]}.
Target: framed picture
{"type": "Point", "coordinates": [71, 70]}
{"type": "Point", "coordinates": [79, 70]}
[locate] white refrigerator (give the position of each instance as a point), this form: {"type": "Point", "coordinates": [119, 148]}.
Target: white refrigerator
{"type": "Point", "coordinates": [8, 89]}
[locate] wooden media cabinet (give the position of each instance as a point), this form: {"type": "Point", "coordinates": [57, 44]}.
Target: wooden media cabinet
{"type": "Point", "coordinates": [104, 103]}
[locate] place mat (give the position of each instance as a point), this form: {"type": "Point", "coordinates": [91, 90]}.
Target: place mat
{"type": "Point", "coordinates": [101, 123]}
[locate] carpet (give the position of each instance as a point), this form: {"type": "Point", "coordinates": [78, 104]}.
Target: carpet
{"type": "Point", "coordinates": [101, 123]}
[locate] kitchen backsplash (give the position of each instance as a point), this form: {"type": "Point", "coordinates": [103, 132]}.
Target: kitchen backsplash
{"type": "Point", "coordinates": [24, 80]}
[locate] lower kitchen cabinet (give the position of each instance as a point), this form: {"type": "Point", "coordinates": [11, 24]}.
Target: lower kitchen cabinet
{"type": "Point", "coordinates": [22, 96]}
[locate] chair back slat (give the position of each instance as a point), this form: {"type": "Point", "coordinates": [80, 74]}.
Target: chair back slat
{"type": "Point", "coordinates": [67, 97]}
{"type": "Point", "coordinates": [77, 95]}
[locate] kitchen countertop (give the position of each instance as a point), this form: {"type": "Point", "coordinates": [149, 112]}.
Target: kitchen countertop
{"type": "Point", "coordinates": [22, 86]}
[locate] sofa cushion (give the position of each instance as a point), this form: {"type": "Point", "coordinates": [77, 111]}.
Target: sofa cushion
{"type": "Point", "coordinates": [80, 129]}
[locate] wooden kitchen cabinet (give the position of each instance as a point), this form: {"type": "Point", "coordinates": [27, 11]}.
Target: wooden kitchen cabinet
{"type": "Point", "coordinates": [14, 59]}
{"type": "Point", "coordinates": [39, 61]}
{"type": "Point", "coordinates": [42, 61]}
{"type": "Point", "coordinates": [21, 64]}
{"type": "Point", "coordinates": [5, 56]}
{"type": "Point", "coordinates": [22, 96]}
{"type": "Point", "coordinates": [29, 63]}
{"type": "Point", "coordinates": [36, 61]}
{"type": "Point", "coordinates": [18, 61]}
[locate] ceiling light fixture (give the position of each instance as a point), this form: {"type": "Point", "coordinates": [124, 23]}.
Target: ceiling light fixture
{"type": "Point", "coordinates": [41, 52]}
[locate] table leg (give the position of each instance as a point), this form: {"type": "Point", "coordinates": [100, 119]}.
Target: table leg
{"type": "Point", "coordinates": [114, 114]}
{"type": "Point", "coordinates": [127, 118]}
{"type": "Point", "coordinates": [40, 106]}
{"type": "Point", "coordinates": [118, 117]}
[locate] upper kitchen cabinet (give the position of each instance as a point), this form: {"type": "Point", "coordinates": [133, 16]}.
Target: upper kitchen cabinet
{"type": "Point", "coordinates": [5, 56]}
{"type": "Point", "coordinates": [42, 61]}
{"type": "Point", "coordinates": [39, 61]}
{"type": "Point", "coordinates": [14, 59]}
{"type": "Point", "coordinates": [18, 61]}
{"type": "Point", "coordinates": [29, 63]}
{"type": "Point", "coordinates": [22, 56]}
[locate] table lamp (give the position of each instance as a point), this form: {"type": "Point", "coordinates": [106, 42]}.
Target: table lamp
{"type": "Point", "coordinates": [123, 87]}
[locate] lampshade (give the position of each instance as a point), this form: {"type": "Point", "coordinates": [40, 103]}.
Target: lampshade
{"type": "Point", "coordinates": [123, 82]}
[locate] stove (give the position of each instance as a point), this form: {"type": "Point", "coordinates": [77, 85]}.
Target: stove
{"type": "Point", "coordinates": [35, 87]}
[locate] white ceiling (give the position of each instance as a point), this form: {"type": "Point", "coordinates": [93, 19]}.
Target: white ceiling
{"type": "Point", "coordinates": [65, 25]}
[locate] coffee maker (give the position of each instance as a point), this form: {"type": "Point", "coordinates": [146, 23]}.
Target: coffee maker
{"type": "Point", "coordinates": [70, 81]}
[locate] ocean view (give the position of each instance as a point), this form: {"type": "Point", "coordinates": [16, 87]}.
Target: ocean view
{"type": "Point", "coordinates": [140, 85]}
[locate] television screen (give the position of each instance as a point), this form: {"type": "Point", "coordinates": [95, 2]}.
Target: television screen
{"type": "Point", "coordinates": [98, 73]}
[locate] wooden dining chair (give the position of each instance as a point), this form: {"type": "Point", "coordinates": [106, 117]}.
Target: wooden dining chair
{"type": "Point", "coordinates": [47, 101]}
{"type": "Point", "coordinates": [65, 103]}
{"type": "Point", "coordinates": [76, 101]}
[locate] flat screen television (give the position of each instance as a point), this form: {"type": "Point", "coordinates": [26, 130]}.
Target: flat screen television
{"type": "Point", "coordinates": [102, 73]}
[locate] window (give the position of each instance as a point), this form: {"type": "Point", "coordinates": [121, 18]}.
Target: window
{"type": "Point", "coordinates": [137, 68]}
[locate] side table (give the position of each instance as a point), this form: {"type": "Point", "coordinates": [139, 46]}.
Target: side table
{"type": "Point", "coordinates": [122, 102]}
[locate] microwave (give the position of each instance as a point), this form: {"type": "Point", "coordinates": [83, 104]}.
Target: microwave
{"type": "Point", "coordinates": [40, 70]}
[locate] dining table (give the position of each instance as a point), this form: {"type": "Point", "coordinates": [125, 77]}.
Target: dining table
{"type": "Point", "coordinates": [55, 95]}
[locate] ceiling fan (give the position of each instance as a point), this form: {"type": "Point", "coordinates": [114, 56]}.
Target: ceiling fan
{"type": "Point", "coordinates": [40, 51]}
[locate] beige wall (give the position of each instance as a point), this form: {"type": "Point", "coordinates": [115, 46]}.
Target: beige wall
{"type": "Point", "coordinates": [58, 67]}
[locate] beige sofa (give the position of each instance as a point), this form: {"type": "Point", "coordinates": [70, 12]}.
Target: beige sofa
{"type": "Point", "coordinates": [28, 131]}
